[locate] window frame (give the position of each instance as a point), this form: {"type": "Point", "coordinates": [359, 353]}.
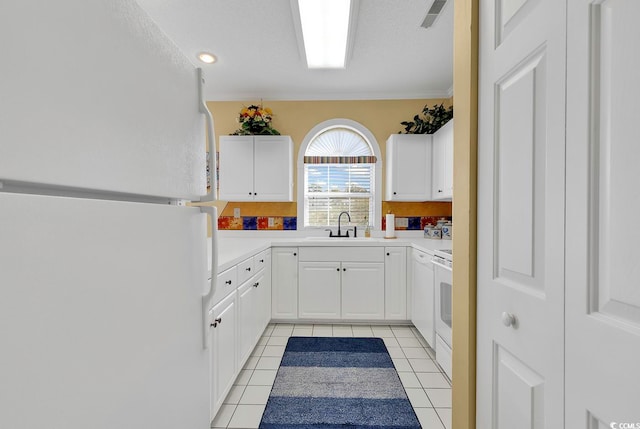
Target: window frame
{"type": "Point", "coordinates": [377, 181]}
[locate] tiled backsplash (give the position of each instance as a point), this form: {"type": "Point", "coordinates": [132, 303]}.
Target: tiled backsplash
{"type": "Point", "coordinates": [413, 223]}
{"type": "Point", "coordinates": [282, 216]}
{"type": "Point", "coordinates": [258, 223]}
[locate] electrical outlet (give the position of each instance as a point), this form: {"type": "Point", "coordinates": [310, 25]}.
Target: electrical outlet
{"type": "Point", "coordinates": [236, 212]}
{"type": "Point", "coordinates": [271, 222]}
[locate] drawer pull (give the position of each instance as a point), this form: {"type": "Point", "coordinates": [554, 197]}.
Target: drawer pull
{"type": "Point", "coordinates": [216, 321]}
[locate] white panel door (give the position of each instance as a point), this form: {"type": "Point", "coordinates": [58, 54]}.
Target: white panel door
{"type": "Point", "coordinates": [521, 145]}
{"type": "Point", "coordinates": [116, 109]}
{"type": "Point", "coordinates": [408, 167]}
{"type": "Point", "coordinates": [236, 168]}
{"type": "Point", "coordinates": [395, 283]}
{"type": "Point", "coordinates": [363, 290]}
{"type": "Point", "coordinates": [273, 168]}
{"type": "Point", "coordinates": [447, 132]}
{"type": "Point", "coordinates": [101, 314]}
{"type": "Point", "coordinates": [224, 343]}
{"type": "Point", "coordinates": [247, 319]}
{"type": "Point", "coordinates": [603, 208]}
{"type": "Point", "coordinates": [442, 179]}
{"type": "Point", "coordinates": [319, 290]}
{"type": "Point", "coordinates": [264, 292]}
{"type": "Point", "coordinates": [284, 282]}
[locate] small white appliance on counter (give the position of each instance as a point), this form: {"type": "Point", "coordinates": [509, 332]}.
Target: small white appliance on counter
{"type": "Point", "coordinates": [103, 291]}
{"type": "Point", "coordinates": [443, 264]}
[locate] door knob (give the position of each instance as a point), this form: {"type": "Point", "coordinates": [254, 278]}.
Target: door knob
{"type": "Point", "coordinates": [509, 319]}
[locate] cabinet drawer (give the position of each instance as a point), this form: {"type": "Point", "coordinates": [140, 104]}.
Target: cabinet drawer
{"type": "Point", "coordinates": [227, 282]}
{"type": "Point", "coordinates": [245, 270]}
{"type": "Point", "coordinates": [261, 260]}
{"type": "Point", "coordinates": [343, 254]}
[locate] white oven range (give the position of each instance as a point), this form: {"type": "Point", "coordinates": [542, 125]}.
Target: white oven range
{"type": "Point", "coordinates": [443, 264]}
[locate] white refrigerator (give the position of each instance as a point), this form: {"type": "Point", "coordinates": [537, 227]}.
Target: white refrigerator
{"type": "Point", "coordinates": [103, 270]}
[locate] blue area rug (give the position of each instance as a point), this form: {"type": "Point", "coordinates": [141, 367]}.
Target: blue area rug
{"type": "Point", "coordinates": [337, 383]}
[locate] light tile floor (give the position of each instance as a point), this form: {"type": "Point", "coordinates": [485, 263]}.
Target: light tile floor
{"type": "Point", "coordinates": [428, 389]}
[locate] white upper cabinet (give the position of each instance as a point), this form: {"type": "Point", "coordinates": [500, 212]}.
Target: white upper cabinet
{"type": "Point", "coordinates": [442, 181]}
{"type": "Point", "coordinates": [408, 167]}
{"type": "Point", "coordinates": [256, 168]}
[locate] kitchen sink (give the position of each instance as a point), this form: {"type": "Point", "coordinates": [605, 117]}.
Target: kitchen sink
{"type": "Point", "coordinates": [341, 239]}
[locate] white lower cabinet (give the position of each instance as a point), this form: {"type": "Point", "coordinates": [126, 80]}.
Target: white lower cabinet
{"type": "Point", "coordinates": [284, 282]}
{"type": "Point", "coordinates": [362, 290]}
{"type": "Point", "coordinates": [319, 290]}
{"type": "Point", "coordinates": [341, 283]}
{"type": "Point", "coordinates": [247, 318]}
{"type": "Point", "coordinates": [223, 336]}
{"type": "Point", "coordinates": [395, 283]}
{"type": "Point", "coordinates": [238, 321]}
{"type": "Point", "coordinates": [423, 296]}
{"type": "Point", "coordinates": [264, 291]}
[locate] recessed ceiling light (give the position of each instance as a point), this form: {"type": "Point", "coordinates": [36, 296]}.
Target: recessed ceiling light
{"type": "Point", "coordinates": [325, 30]}
{"type": "Point", "coordinates": [207, 58]}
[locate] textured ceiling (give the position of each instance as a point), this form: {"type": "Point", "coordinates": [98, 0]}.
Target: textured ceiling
{"type": "Point", "coordinates": [258, 54]}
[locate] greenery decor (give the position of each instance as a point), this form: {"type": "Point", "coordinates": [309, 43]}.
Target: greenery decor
{"type": "Point", "coordinates": [255, 120]}
{"type": "Point", "coordinates": [430, 121]}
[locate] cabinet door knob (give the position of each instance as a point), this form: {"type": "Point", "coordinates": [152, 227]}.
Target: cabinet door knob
{"type": "Point", "coordinates": [509, 319]}
{"type": "Point", "coordinates": [261, 260]}
{"type": "Point", "coordinates": [228, 282]}
{"type": "Point", "coordinates": [216, 321]}
{"type": "Point", "coordinates": [337, 269]}
{"type": "Point", "coordinates": [295, 254]}
{"type": "Point", "coordinates": [388, 254]}
{"type": "Point", "coordinates": [395, 193]}
{"type": "Point", "coordinates": [248, 269]}
{"type": "Point", "coordinates": [256, 284]}
{"type": "Point", "coordinates": [344, 269]}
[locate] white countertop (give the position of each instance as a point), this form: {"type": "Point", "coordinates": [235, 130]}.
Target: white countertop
{"type": "Point", "coordinates": [233, 250]}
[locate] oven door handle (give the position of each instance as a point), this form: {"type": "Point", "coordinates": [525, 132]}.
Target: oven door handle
{"type": "Point", "coordinates": [440, 264]}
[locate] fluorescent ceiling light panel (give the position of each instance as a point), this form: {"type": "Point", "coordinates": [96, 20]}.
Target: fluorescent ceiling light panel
{"type": "Point", "coordinates": [325, 29]}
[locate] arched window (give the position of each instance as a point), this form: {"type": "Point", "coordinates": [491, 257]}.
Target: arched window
{"type": "Point", "coordinates": [339, 170]}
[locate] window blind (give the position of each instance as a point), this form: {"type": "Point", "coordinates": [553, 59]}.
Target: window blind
{"type": "Point", "coordinates": [331, 188]}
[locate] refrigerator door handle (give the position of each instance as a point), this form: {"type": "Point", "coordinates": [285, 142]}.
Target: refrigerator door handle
{"type": "Point", "coordinates": [211, 138]}
{"type": "Point", "coordinates": [206, 298]}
